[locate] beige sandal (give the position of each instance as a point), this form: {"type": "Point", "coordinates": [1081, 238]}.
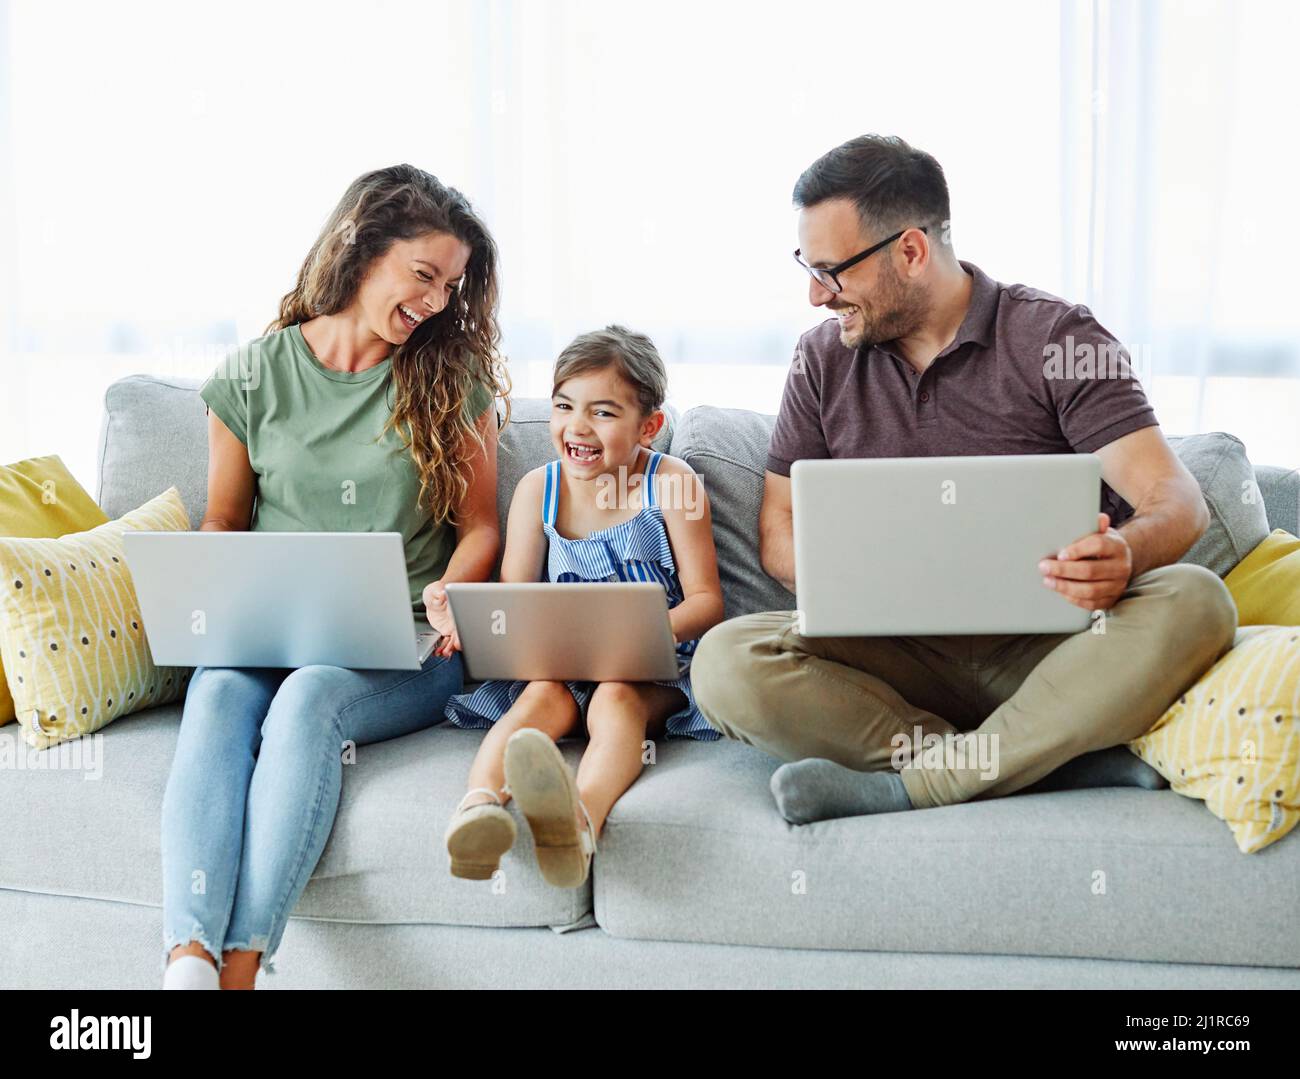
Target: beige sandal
{"type": "Point", "coordinates": [543, 787]}
{"type": "Point", "coordinates": [478, 836]}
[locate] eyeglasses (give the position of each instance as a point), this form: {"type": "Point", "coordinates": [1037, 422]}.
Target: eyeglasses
{"type": "Point", "coordinates": [829, 278]}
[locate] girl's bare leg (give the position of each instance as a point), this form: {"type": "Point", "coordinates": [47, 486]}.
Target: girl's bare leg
{"type": "Point", "coordinates": [547, 706]}
{"type": "Point", "coordinates": [618, 719]}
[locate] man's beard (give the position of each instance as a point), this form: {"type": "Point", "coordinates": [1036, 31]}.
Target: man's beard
{"type": "Point", "coordinates": [897, 311]}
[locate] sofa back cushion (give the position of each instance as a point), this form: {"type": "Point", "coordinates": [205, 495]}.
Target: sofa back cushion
{"type": "Point", "coordinates": [728, 448]}
{"type": "Point", "coordinates": [154, 435]}
{"type": "Point", "coordinates": [1238, 517]}
{"type": "Point", "coordinates": [1280, 488]}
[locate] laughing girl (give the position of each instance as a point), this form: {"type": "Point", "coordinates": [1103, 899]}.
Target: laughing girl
{"type": "Point", "coordinates": [606, 411]}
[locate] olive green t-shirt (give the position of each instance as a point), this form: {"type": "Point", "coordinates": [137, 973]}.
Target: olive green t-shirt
{"type": "Point", "coordinates": [311, 435]}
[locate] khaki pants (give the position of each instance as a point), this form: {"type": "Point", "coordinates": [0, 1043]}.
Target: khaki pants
{"type": "Point", "coordinates": [1034, 701]}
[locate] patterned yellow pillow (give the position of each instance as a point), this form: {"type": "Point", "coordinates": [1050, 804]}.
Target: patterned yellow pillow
{"type": "Point", "coordinates": [40, 497]}
{"type": "Point", "coordinates": [71, 638]}
{"type": "Point", "coordinates": [1234, 738]}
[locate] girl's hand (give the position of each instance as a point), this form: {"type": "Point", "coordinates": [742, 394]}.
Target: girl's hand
{"type": "Point", "coordinates": [448, 646]}
{"type": "Point", "coordinates": [438, 612]}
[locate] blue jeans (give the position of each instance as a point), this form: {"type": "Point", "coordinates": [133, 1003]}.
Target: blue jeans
{"type": "Point", "coordinates": [255, 784]}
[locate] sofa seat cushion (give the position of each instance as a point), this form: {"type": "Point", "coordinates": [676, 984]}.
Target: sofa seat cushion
{"type": "Point", "coordinates": [696, 851]}
{"type": "Point", "coordinates": [90, 827]}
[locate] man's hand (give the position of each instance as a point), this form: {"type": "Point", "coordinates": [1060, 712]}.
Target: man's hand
{"type": "Point", "coordinates": [438, 611]}
{"type": "Point", "coordinates": [1091, 572]}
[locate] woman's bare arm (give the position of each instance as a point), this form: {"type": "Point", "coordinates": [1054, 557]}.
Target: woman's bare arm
{"type": "Point", "coordinates": [478, 534]}
{"type": "Point", "coordinates": [232, 483]}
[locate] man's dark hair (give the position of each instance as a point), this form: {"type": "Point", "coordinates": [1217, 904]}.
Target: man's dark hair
{"type": "Point", "coordinates": [893, 185]}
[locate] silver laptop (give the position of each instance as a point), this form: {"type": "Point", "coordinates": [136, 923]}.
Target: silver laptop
{"type": "Point", "coordinates": [277, 599]}
{"type": "Point", "coordinates": [916, 546]}
{"type": "Point", "coordinates": [581, 632]}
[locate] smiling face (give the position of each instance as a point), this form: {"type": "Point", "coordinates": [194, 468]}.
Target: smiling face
{"type": "Point", "coordinates": [597, 424]}
{"type": "Point", "coordinates": [877, 303]}
{"type": "Point", "coordinates": [413, 280]}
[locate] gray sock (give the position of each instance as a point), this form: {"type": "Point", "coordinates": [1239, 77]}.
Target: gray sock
{"type": "Point", "coordinates": [813, 790]}
{"type": "Point", "coordinates": [1117, 766]}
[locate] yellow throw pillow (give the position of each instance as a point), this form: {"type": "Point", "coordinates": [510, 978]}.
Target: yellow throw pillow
{"type": "Point", "coordinates": [1233, 739]}
{"type": "Point", "coordinates": [1266, 583]}
{"type": "Point", "coordinates": [39, 498]}
{"type": "Point", "coordinates": [71, 637]}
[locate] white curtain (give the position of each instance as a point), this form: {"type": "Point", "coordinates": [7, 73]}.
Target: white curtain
{"type": "Point", "coordinates": [164, 170]}
{"type": "Point", "coordinates": [1179, 162]}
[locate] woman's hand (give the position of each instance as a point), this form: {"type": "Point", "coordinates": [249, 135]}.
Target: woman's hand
{"type": "Point", "coordinates": [438, 612]}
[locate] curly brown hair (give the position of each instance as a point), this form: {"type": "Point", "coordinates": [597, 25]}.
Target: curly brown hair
{"type": "Point", "coordinates": [435, 369]}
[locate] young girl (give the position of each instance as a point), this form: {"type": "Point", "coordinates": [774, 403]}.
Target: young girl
{"type": "Point", "coordinates": [565, 525]}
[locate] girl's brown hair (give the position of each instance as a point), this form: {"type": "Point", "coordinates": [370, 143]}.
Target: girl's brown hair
{"type": "Point", "coordinates": [434, 371]}
{"type": "Point", "coordinates": [632, 354]}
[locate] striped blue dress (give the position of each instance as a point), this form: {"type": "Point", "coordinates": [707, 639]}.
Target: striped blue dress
{"type": "Point", "coordinates": [633, 550]}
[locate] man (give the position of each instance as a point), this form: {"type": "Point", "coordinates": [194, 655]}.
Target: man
{"type": "Point", "coordinates": [928, 356]}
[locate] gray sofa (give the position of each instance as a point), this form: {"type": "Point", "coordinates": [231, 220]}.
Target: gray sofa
{"type": "Point", "coordinates": [698, 881]}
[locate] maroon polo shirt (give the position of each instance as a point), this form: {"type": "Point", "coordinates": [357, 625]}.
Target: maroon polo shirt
{"type": "Point", "coordinates": [1027, 372]}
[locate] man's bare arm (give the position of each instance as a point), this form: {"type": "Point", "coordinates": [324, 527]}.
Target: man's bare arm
{"type": "Point", "coordinates": [1169, 511]}
{"type": "Point", "coordinates": [776, 530]}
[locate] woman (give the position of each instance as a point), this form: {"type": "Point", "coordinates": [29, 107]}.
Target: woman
{"type": "Point", "coordinates": [368, 406]}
